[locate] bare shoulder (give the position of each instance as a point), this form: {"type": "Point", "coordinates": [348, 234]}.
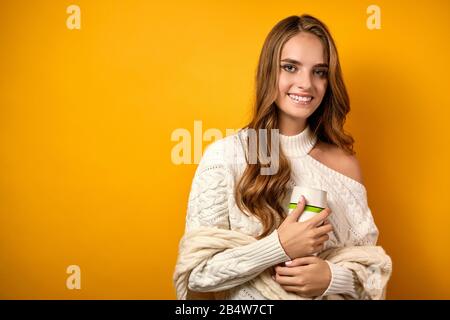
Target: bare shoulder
{"type": "Point", "coordinates": [338, 160]}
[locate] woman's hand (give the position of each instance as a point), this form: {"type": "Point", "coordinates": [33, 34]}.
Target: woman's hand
{"type": "Point", "coordinates": [301, 239]}
{"type": "Point", "coordinates": [308, 276]}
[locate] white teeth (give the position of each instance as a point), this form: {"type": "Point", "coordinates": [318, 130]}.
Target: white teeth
{"type": "Point", "coordinates": [300, 98]}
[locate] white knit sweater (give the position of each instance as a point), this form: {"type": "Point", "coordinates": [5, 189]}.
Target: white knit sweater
{"type": "Point", "coordinates": [212, 203]}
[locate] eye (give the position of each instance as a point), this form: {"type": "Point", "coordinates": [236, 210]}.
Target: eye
{"type": "Point", "coordinates": [289, 68]}
{"type": "Point", "coordinates": [321, 73]}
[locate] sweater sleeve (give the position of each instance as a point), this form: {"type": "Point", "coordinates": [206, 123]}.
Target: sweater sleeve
{"type": "Point", "coordinates": [364, 232]}
{"type": "Point", "coordinates": [342, 281]}
{"type": "Point", "coordinates": [208, 206]}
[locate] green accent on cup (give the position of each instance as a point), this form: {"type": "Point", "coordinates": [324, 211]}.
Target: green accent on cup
{"type": "Point", "coordinates": [307, 208]}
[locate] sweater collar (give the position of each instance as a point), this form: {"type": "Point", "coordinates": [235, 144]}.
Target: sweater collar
{"type": "Point", "coordinates": [298, 145]}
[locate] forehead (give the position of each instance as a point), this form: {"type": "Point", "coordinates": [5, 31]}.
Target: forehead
{"type": "Point", "coordinates": [304, 47]}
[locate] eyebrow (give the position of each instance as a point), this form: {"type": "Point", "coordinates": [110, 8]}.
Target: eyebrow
{"type": "Point", "coordinates": [299, 63]}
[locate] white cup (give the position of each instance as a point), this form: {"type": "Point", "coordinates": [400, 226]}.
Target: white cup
{"type": "Point", "coordinates": [316, 201]}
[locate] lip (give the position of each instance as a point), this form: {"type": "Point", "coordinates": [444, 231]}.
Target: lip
{"type": "Point", "coordinates": [301, 102]}
{"type": "Point", "coordinates": [301, 94]}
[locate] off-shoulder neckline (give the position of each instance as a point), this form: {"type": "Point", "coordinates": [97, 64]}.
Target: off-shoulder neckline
{"type": "Point", "coordinates": [356, 184]}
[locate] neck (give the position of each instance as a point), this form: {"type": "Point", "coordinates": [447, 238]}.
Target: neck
{"type": "Point", "coordinates": [289, 126]}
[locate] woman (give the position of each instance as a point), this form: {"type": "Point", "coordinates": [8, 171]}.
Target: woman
{"type": "Point", "coordinates": [299, 92]}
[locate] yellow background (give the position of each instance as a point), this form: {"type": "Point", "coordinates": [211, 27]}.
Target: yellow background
{"type": "Point", "coordinates": [87, 115]}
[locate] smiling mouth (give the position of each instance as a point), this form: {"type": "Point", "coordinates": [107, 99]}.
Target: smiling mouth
{"type": "Point", "coordinates": [300, 99]}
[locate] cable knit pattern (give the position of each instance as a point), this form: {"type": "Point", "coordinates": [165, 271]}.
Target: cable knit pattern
{"type": "Point", "coordinates": [370, 264]}
{"type": "Point", "coordinates": [212, 204]}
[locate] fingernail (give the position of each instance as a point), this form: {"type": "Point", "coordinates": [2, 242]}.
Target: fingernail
{"type": "Point", "coordinates": [288, 263]}
{"type": "Point", "coordinates": [301, 199]}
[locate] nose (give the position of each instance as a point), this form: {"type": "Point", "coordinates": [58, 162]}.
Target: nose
{"type": "Point", "coordinates": [303, 80]}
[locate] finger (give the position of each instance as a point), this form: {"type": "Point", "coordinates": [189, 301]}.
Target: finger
{"type": "Point", "coordinates": [322, 239]}
{"type": "Point", "coordinates": [326, 222]}
{"type": "Point", "coordinates": [288, 271]}
{"type": "Point", "coordinates": [320, 231]}
{"type": "Point", "coordinates": [301, 261]}
{"type": "Point", "coordinates": [294, 215]}
{"type": "Point", "coordinates": [320, 217]}
{"type": "Point", "coordinates": [298, 290]}
{"type": "Point", "coordinates": [285, 280]}
{"type": "Point", "coordinates": [291, 288]}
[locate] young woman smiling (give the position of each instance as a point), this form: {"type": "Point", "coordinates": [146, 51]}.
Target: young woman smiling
{"type": "Point", "coordinates": [301, 93]}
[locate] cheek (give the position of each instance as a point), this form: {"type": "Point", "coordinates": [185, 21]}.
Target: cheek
{"type": "Point", "coordinates": [283, 85]}
{"type": "Point", "coordinates": [321, 87]}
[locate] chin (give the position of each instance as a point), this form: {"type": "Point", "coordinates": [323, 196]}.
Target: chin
{"type": "Point", "coordinates": [299, 112]}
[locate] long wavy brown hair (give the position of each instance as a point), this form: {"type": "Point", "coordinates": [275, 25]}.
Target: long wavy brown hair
{"type": "Point", "coordinates": [262, 195]}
